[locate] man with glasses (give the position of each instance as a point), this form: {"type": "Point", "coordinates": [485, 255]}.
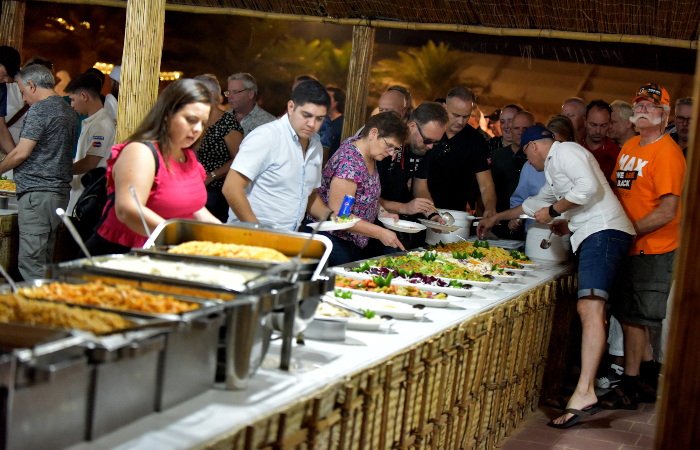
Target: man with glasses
{"type": "Point", "coordinates": [461, 156]}
{"type": "Point", "coordinates": [577, 191]}
{"type": "Point", "coordinates": [649, 183]}
{"type": "Point", "coordinates": [426, 125]}
{"type": "Point", "coordinates": [684, 112]}
{"type": "Point", "coordinates": [242, 93]}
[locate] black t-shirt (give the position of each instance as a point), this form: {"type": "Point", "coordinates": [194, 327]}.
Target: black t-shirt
{"type": "Point", "coordinates": [395, 175]}
{"type": "Point", "coordinates": [506, 175]}
{"type": "Point", "coordinates": [451, 167]}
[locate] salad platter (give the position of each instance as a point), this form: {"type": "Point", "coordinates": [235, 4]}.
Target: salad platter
{"type": "Point", "coordinates": [410, 294]}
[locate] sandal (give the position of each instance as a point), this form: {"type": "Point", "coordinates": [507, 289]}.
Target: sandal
{"type": "Point", "coordinates": [617, 399]}
{"type": "Point", "coordinates": [578, 414]}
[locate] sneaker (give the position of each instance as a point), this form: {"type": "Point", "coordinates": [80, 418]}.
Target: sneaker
{"type": "Point", "coordinates": [610, 380]}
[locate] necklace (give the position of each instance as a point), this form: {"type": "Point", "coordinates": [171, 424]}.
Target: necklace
{"type": "Point", "coordinates": [655, 140]}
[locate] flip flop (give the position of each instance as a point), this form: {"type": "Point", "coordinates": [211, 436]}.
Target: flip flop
{"type": "Point", "coordinates": [578, 414]}
{"type": "Point", "coordinates": [617, 399]}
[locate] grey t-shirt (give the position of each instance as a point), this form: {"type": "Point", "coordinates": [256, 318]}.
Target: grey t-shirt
{"type": "Point", "coordinates": [53, 124]}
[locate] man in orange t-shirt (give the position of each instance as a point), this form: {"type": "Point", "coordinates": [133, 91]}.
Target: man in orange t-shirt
{"type": "Point", "coordinates": [648, 180]}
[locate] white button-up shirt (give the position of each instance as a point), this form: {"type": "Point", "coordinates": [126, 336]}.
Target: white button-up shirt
{"type": "Point", "coordinates": [282, 179]}
{"type": "Point", "coordinates": [573, 173]}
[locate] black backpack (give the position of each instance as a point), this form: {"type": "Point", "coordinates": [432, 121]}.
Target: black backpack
{"type": "Point", "coordinates": [89, 211]}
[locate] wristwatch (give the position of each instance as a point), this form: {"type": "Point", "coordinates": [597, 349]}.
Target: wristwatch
{"type": "Point", "coordinates": [553, 212]}
{"type": "Point", "coordinates": [213, 175]}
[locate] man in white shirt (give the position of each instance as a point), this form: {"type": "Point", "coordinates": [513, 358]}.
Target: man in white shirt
{"type": "Point", "coordinates": [111, 104]}
{"type": "Point", "coordinates": [602, 235]}
{"type": "Point", "coordinates": [275, 175]}
{"type": "Point", "coordinates": [97, 134]}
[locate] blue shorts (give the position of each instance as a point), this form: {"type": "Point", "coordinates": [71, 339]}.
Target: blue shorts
{"type": "Point", "coordinates": [598, 258]}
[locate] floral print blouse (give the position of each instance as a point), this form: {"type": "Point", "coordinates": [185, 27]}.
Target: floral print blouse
{"type": "Point", "coordinates": [348, 163]}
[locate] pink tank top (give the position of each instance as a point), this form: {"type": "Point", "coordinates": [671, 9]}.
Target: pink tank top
{"type": "Point", "coordinates": [176, 193]}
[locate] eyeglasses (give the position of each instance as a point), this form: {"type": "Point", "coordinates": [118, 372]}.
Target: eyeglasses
{"type": "Point", "coordinates": [646, 107]}
{"type": "Point", "coordinates": [227, 93]}
{"type": "Point", "coordinates": [389, 146]}
{"type": "Point", "coordinates": [426, 141]}
{"type": "Point", "coordinates": [681, 119]}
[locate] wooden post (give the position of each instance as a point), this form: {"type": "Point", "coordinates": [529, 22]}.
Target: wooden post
{"type": "Point", "coordinates": [679, 407]}
{"type": "Point", "coordinates": [12, 23]}
{"type": "Point", "coordinates": [143, 48]}
{"type": "Point", "coordinates": [358, 80]}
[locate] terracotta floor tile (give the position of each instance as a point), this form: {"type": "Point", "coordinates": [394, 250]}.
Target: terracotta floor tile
{"type": "Point", "coordinates": [643, 428]}
{"type": "Point", "coordinates": [599, 421]}
{"type": "Point", "coordinates": [649, 408]}
{"type": "Point", "coordinates": [580, 443]}
{"type": "Point", "coordinates": [652, 420]}
{"type": "Point", "coordinates": [540, 435]}
{"type": "Point", "coordinates": [514, 444]}
{"type": "Point", "coordinates": [633, 416]}
{"type": "Point", "coordinates": [645, 442]}
{"type": "Point", "coordinates": [601, 434]}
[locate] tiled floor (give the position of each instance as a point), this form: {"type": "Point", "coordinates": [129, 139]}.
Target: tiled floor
{"type": "Point", "coordinates": [607, 430]}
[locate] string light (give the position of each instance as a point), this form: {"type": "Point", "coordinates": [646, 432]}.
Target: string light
{"type": "Point", "coordinates": [164, 76]}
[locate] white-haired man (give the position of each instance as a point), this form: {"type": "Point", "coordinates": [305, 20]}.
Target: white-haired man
{"type": "Point", "coordinates": [621, 128]}
{"type": "Point", "coordinates": [242, 94]}
{"type": "Point", "coordinates": [43, 168]}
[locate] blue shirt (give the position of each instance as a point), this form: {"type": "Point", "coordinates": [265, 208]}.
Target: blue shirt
{"type": "Point", "coordinates": [282, 179]}
{"type": "Point", "coordinates": [531, 181]}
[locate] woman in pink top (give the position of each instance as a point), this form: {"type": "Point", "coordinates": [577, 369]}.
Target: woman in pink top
{"type": "Point", "coordinates": [158, 162]}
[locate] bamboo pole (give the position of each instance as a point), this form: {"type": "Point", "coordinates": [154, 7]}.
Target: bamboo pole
{"type": "Point", "coordinates": [143, 47]}
{"type": "Point", "coordinates": [679, 407]}
{"type": "Point", "coordinates": [474, 29]}
{"type": "Point", "coordinates": [358, 80]}
{"type": "Point", "coordinates": [12, 23]}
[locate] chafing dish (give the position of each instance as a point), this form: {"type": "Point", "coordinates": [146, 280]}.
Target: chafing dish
{"type": "Point", "coordinates": [44, 380]}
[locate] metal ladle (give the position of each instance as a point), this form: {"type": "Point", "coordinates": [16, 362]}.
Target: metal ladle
{"type": "Point", "coordinates": [74, 232]}
{"type": "Point", "coordinates": [9, 279]}
{"type": "Point", "coordinates": [138, 206]}
{"type": "Point", "coordinates": [546, 243]}
{"type": "Point", "coordinates": [447, 217]}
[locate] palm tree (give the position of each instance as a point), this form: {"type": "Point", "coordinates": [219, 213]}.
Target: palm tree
{"type": "Point", "coordinates": [428, 72]}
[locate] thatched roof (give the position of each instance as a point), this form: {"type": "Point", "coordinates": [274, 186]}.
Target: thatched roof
{"type": "Point", "coordinates": [669, 19]}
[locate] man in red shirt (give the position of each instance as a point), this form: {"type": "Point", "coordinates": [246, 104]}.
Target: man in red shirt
{"type": "Point", "coordinates": [596, 140]}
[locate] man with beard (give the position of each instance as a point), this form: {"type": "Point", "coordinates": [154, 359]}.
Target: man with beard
{"type": "Point", "coordinates": [684, 112]}
{"type": "Point", "coordinates": [649, 183]}
{"type": "Point", "coordinates": [461, 157]}
{"type": "Point", "coordinates": [426, 125]}
{"type": "Point", "coordinates": [596, 139]}
{"type": "Point", "coordinates": [575, 109]}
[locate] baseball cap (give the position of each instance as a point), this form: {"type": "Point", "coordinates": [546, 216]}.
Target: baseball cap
{"type": "Point", "coordinates": [533, 133]}
{"type": "Point", "coordinates": [653, 92]}
{"type": "Point", "coordinates": [116, 73]}
{"type": "Point", "coordinates": [494, 115]}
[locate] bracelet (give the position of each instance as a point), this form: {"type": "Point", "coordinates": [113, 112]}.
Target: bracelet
{"type": "Point", "coordinates": [433, 215]}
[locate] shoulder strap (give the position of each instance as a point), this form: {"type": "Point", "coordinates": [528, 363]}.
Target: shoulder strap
{"type": "Point", "coordinates": [18, 115]}
{"type": "Point", "coordinates": [150, 145]}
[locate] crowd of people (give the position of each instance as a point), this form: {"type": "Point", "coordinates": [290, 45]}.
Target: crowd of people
{"type": "Point", "coordinates": [609, 174]}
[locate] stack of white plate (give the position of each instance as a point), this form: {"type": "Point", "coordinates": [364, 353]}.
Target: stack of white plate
{"type": "Point", "coordinates": [463, 220]}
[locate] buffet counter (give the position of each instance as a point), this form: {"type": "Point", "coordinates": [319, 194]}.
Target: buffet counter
{"type": "Point", "coordinates": [461, 377]}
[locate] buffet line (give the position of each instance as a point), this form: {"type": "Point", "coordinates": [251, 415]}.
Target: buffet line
{"type": "Point", "coordinates": [102, 342]}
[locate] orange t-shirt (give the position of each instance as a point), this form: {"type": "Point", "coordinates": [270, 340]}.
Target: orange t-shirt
{"type": "Point", "coordinates": [642, 175]}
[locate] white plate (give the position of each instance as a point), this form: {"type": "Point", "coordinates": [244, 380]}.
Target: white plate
{"type": "Point", "coordinates": [358, 323]}
{"type": "Point", "coordinates": [403, 226]}
{"type": "Point", "coordinates": [329, 225]}
{"type": "Point", "coordinates": [483, 284]}
{"type": "Point", "coordinates": [381, 307]}
{"type": "Point", "coordinates": [437, 226]}
{"type": "Point", "coordinates": [525, 216]}
{"type": "Point", "coordinates": [457, 292]}
{"type": "Point", "coordinates": [506, 278]}
{"type": "Point", "coordinates": [433, 303]}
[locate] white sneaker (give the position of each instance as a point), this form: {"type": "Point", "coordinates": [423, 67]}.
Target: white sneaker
{"type": "Point", "coordinates": [610, 380]}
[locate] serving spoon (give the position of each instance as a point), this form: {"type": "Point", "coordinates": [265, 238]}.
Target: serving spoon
{"type": "Point", "coordinates": [447, 217]}
{"type": "Point", "coordinates": [9, 279]}
{"type": "Point", "coordinates": [546, 243]}
{"type": "Point", "coordinates": [74, 232]}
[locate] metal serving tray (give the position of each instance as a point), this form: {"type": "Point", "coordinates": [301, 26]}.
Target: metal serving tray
{"type": "Point", "coordinates": [177, 231]}
{"type": "Point", "coordinates": [45, 387]}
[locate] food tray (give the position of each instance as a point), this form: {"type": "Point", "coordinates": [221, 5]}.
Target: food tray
{"type": "Point", "coordinates": [177, 231]}
{"type": "Point", "coordinates": [8, 193]}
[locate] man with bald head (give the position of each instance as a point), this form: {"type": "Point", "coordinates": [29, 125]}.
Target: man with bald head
{"type": "Point", "coordinates": [393, 101]}
{"type": "Point", "coordinates": [461, 156]}
{"type": "Point", "coordinates": [575, 109]}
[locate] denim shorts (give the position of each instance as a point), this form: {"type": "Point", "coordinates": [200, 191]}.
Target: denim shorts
{"type": "Point", "coordinates": [598, 258]}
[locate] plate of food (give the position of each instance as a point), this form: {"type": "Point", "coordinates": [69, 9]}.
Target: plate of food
{"type": "Point", "coordinates": [420, 281]}
{"type": "Point", "coordinates": [404, 226]}
{"type": "Point", "coordinates": [336, 223]}
{"type": "Point", "coordinates": [410, 295]}
{"type": "Point", "coordinates": [436, 226]}
{"type": "Point", "coordinates": [382, 307]}
{"type": "Point", "coordinates": [327, 311]}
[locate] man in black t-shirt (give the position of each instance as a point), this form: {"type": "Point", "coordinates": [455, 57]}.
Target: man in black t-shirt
{"type": "Point", "coordinates": [426, 126]}
{"type": "Point", "coordinates": [460, 156]}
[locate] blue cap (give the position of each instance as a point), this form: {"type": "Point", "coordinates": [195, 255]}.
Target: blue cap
{"type": "Point", "coordinates": [533, 133]}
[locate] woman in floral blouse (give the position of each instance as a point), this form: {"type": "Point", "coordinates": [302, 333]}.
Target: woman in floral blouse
{"type": "Point", "coordinates": [219, 146]}
{"type": "Point", "coordinates": [352, 171]}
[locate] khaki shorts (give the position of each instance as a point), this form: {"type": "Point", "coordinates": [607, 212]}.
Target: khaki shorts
{"type": "Point", "coordinates": [642, 288]}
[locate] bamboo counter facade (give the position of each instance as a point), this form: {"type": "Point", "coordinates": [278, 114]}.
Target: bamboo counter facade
{"type": "Point", "coordinates": [466, 383]}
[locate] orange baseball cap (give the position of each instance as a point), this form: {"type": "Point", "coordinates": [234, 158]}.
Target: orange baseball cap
{"type": "Point", "coordinates": [653, 92]}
